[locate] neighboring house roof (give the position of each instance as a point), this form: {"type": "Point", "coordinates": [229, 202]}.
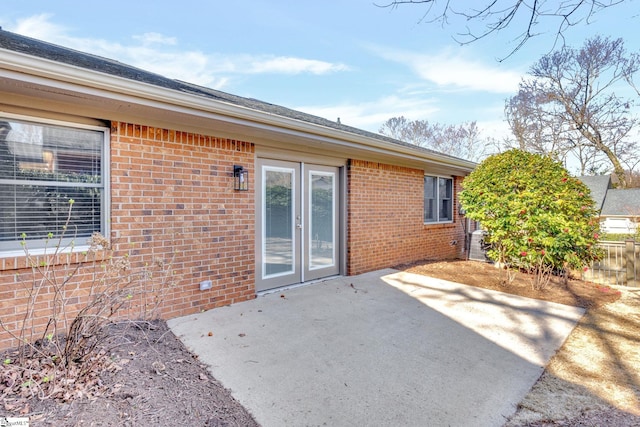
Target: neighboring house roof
{"type": "Point", "coordinates": [622, 203]}
{"type": "Point", "coordinates": [612, 202]}
{"type": "Point", "coordinates": [599, 186]}
{"type": "Point", "coordinates": [250, 110]}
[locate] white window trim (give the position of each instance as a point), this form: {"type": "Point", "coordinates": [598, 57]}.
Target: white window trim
{"type": "Point", "coordinates": [449, 221]}
{"type": "Point", "coordinates": [105, 221]}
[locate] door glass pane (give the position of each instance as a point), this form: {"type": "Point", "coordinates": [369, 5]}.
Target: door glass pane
{"type": "Point", "coordinates": [278, 256]}
{"type": "Point", "coordinates": [322, 220]}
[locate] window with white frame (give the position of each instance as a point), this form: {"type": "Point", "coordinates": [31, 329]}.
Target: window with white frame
{"type": "Point", "coordinates": [52, 183]}
{"type": "Point", "coordinates": [438, 199]}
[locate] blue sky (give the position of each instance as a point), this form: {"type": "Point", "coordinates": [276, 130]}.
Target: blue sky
{"type": "Point", "coordinates": [333, 58]}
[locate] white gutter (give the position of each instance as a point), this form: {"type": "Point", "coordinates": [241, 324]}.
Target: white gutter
{"type": "Point", "coordinates": [41, 71]}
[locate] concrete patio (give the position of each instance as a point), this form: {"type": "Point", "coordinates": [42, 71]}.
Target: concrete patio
{"type": "Point", "coordinates": [380, 349]}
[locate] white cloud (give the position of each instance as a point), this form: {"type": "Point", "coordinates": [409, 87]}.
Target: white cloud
{"type": "Point", "coordinates": [498, 129]}
{"type": "Point", "coordinates": [290, 65]}
{"type": "Point", "coordinates": [155, 38]}
{"type": "Point", "coordinates": [414, 105]}
{"type": "Point", "coordinates": [449, 77]}
{"type": "Point", "coordinates": [39, 27]}
{"type": "Point", "coordinates": [371, 115]}
{"type": "Point", "coordinates": [162, 54]}
{"type": "Point", "coordinates": [448, 70]}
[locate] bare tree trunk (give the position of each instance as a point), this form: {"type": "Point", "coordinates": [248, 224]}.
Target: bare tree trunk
{"type": "Point", "coordinates": [596, 140]}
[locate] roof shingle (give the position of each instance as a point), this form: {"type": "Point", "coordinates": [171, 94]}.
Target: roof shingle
{"type": "Point", "coordinates": [41, 49]}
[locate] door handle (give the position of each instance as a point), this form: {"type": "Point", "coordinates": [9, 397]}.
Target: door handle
{"type": "Point", "coordinates": [299, 226]}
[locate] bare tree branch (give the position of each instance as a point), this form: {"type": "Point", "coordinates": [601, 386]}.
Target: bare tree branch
{"type": "Point", "coordinates": [498, 15]}
{"type": "Point", "coordinates": [463, 140]}
{"type": "Point", "coordinates": [570, 102]}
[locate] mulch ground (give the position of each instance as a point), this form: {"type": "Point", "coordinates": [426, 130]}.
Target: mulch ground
{"type": "Point", "coordinates": [484, 275]}
{"type": "Point", "coordinates": [154, 381]}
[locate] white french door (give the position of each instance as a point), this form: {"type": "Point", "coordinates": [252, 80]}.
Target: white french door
{"type": "Point", "coordinates": [297, 223]}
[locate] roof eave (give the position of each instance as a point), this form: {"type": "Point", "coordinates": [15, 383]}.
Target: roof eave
{"type": "Point", "coordinates": [84, 79]}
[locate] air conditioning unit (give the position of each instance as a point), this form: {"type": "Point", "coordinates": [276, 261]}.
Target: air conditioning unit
{"type": "Point", "coordinates": [477, 247]}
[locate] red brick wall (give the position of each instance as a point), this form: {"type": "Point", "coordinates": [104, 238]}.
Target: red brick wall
{"type": "Point", "coordinates": [385, 219]}
{"type": "Point", "coordinates": [172, 201]}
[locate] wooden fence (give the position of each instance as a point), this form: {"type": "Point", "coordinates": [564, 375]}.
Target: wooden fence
{"type": "Point", "coordinates": [620, 264]}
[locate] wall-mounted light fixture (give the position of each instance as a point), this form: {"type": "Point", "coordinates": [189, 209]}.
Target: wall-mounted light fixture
{"type": "Point", "coordinates": [240, 178]}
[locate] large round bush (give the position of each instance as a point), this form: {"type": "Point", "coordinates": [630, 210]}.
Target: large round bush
{"type": "Point", "coordinates": [537, 217]}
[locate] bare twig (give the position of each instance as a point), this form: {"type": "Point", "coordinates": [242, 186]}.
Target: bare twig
{"type": "Point", "coordinates": [494, 16]}
{"type": "Point", "coordinates": [71, 352]}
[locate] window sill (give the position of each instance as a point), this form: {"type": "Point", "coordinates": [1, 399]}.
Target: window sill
{"type": "Point", "coordinates": [16, 260]}
{"type": "Point", "coordinates": [442, 224]}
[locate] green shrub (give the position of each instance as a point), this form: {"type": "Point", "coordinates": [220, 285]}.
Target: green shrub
{"type": "Point", "coordinates": [538, 218]}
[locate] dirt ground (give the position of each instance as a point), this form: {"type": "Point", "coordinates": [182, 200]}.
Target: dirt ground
{"type": "Point", "coordinates": [592, 381]}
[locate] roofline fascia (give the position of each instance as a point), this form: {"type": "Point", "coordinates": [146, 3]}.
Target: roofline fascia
{"type": "Point", "coordinates": [84, 78]}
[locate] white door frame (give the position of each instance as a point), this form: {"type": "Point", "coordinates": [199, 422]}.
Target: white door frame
{"type": "Point", "coordinates": [290, 245]}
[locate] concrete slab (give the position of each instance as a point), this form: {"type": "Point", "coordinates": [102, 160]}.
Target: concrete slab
{"type": "Point", "coordinates": [380, 349]}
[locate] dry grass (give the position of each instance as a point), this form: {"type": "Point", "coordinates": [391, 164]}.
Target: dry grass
{"type": "Point", "coordinates": [594, 379]}
{"type": "Point", "coordinates": [596, 368]}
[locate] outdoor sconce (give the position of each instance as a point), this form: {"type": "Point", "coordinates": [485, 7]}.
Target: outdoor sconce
{"type": "Point", "coordinates": [240, 178]}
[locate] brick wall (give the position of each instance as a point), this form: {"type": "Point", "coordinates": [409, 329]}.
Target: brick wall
{"type": "Point", "coordinates": [172, 205]}
{"type": "Point", "coordinates": [385, 220]}
{"type": "Point", "coordinates": [178, 221]}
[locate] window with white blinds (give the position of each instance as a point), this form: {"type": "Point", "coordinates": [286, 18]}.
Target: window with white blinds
{"type": "Point", "coordinates": [52, 183]}
{"type": "Point", "coordinates": [438, 199]}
